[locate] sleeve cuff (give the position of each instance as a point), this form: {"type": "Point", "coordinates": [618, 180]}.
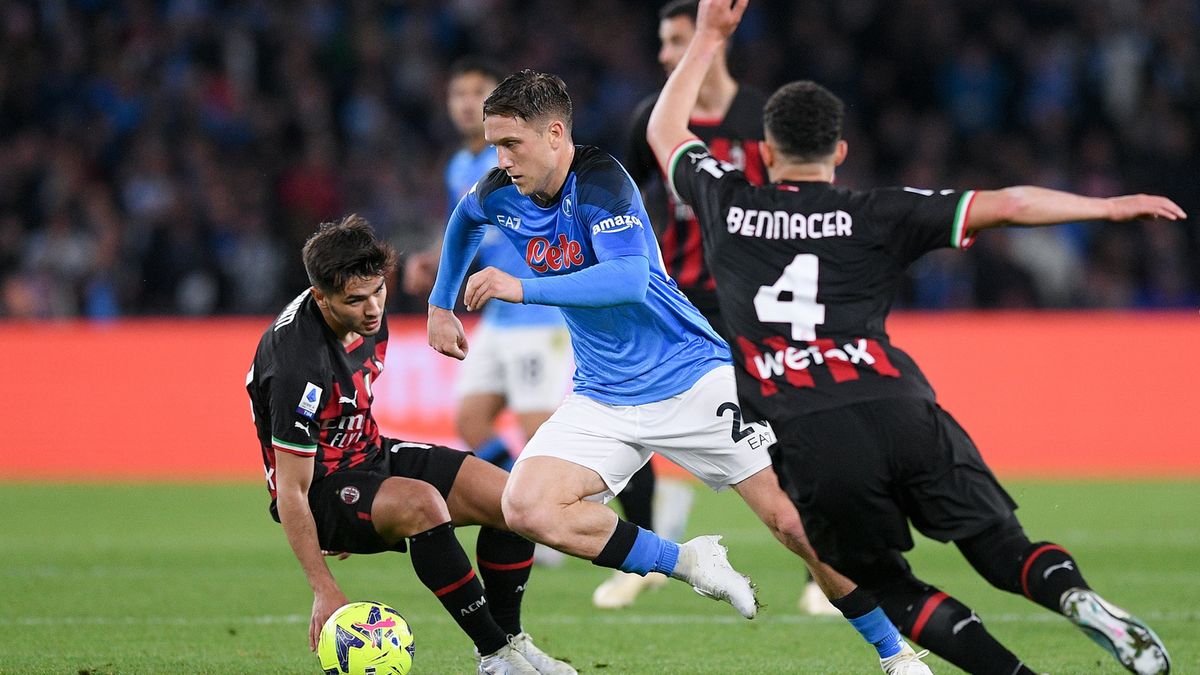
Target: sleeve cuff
{"type": "Point", "coordinates": [676, 154]}
{"type": "Point", "coordinates": [294, 449]}
{"type": "Point", "coordinates": [958, 233]}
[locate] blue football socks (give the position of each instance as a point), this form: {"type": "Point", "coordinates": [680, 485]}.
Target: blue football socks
{"type": "Point", "coordinates": [651, 553]}
{"type": "Point", "coordinates": [877, 629]}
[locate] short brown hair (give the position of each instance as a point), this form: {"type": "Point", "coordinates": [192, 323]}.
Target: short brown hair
{"type": "Point", "coordinates": [345, 250]}
{"type": "Point", "coordinates": [530, 95]}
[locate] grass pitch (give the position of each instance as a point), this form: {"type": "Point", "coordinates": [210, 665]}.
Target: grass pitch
{"type": "Point", "coordinates": [198, 579]}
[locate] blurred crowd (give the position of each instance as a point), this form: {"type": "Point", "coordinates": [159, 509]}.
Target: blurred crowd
{"type": "Point", "coordinates": [171, 156]}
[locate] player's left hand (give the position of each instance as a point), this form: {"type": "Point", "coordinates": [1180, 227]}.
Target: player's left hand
{"type": "Point", "coordinates": [491, 283]}
{"type": "Point", "coordinates": [340, 555]}
{"type": "Point", "coordinates": [1130, 207]}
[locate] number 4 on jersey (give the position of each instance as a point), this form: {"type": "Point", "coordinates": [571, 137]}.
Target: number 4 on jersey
{"type": "Point", "coordinates": [800, 308]}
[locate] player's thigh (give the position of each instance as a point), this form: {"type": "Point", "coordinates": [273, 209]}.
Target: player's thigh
{"type": "Point", "coordinates": [342, 505]}
{"type": "Point", "coordinates": [837, 468]}
{"type": "Point", "coordinates": [437, 465]}
{"type": "Point", "coordinates": [537, 368]}
{"type": "Point", "coordinates": [592, 435]}
{"type": "Point", "coordinates": [482, 372]}
{"type": "Point", "coordinates": [475, 495]}
{"type": "Point", "coordinates": [949, 491]}
{"type": "Point", "coordinates": [702, 431]}
{"type": "Point", "coordinates": [404, 507]}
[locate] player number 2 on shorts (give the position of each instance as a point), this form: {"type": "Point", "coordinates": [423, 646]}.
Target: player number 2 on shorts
{"type": "Point", "coordinates": [792, 299]}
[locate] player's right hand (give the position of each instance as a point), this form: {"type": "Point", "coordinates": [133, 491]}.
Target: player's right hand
{"type": "Point", "coordinates": [446, 333]}
{"type": "Point", "coordinates": [325, 604]}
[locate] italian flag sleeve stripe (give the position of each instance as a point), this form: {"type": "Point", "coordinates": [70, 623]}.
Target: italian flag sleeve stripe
{"type": "Point", "coordinates": [689, 143]}
{"type": "Point", "coordinates": [958, 234]}
{"type": "Point", "coordinates": [302, 450]}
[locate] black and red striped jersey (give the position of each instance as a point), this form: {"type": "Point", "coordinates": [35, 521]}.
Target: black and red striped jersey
{"type": "Point", "coordinates": [806, 273]}
{"type": "Point", "coordinates": [311, 395]}
{"type": "Point", "coordinates": [736, 139]}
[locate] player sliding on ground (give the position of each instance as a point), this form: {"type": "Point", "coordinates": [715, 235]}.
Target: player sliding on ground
{"type": "Point", "coordinates": [336, 484]}
{"type": "Point", "coordinates": [651, 374]}
{"type": "Point", "coordinates": [806, 272]}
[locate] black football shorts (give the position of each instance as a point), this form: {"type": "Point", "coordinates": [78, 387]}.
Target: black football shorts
{"type": "Point", "coordinates": [341, 502]}
{"type": "Point", "coordinates": [860, 473]}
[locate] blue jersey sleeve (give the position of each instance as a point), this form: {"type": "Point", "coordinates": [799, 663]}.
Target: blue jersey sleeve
{"type": "Point", "coordinates": [463, 234]}
{"type": "Point", "coordinates": [616, 281]}
{"type": "Point", "coordinates": [611, 208]}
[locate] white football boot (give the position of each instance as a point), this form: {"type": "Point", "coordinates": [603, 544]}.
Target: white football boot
{"type": "Point", "coordinates": [540, 660]}
{"type": "Point", "coordinates": [506, 661]}
{"type": "Point", "coordinates": [907, 662]}
{"type": "Point", "coordinates": [704, 563]}
{"type": "Point", "coordinates": [1121, 634]}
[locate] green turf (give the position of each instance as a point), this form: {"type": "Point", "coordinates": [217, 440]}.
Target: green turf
{"type": "Point", "coordinates": [197, 579]}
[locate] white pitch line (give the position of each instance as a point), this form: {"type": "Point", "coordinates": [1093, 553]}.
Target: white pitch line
{"type": "Point", "coordinates": [613, 619]}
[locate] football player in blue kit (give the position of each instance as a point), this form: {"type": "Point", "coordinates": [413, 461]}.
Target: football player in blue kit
{"type": "Point", "coordinates": [522, 355]}
{"type": "Point", "coordinates": [651, 373]}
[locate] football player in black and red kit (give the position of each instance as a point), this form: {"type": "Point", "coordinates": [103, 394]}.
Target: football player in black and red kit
{"type": "Point", "coordinates": [337, 485]}
{"type": "Point", "coordinates": [727, 116]}
{"type": "Point", "coordinates": [806, 272]}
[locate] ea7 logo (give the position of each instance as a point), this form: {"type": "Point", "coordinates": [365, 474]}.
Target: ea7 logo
{"type": "Point", "coordinates": [542, 255]}
{"type": "Point", "coordinates": [511, 222]}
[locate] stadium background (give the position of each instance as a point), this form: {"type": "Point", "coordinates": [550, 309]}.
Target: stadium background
{"type": "Point", "coordinates": [168, 157]}
{"type": "Point", "coordinates": [161, 162]}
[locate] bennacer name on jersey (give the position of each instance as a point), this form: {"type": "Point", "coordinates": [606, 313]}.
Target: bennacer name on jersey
{"type": "Point", "coordinates": [788, 225]}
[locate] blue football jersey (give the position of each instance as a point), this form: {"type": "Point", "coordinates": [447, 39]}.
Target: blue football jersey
{"type": "Point", "coordinates": [464, 169]}
{"type": "Point", "coordinates": [626, 354]}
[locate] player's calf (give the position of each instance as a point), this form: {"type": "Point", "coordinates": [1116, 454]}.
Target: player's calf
{"type": "Point", "coordinates": [946, 627]}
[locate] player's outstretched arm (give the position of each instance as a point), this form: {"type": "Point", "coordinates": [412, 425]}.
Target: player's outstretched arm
{"type": "Point", "coordinates": [1034, 206]}
{"type": "Point", "coordinates": [445, 333]}
{"type": "Point", "coordinates": [667, 130]}
{"type": "Point", "coordinates": [293, 476]}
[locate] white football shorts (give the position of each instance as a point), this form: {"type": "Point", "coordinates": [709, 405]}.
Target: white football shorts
{"type": "Point", "coordinates": [701, 430]}
{"type": "Point", "coordinates": [530, 367]}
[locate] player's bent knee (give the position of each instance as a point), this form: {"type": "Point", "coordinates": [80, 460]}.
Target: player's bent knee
{"type": "Point", "coordinates": [405, 507]}
{"type": "Point", "coordinates": [528, 516]}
